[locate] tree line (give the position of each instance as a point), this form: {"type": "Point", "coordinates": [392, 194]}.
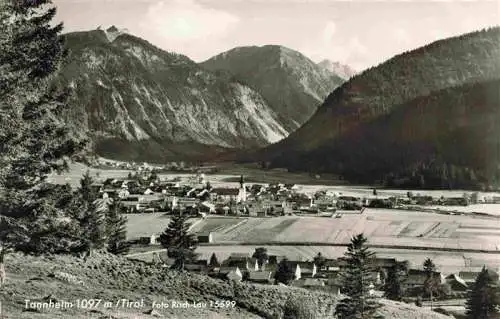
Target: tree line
{"type": "Point", "coordinates": [37, 217]}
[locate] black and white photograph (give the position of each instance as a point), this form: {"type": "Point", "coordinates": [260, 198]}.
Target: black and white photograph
{"type": "Point", "coordinates": [272, 159]}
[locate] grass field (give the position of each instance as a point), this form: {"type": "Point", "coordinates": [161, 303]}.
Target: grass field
{"type": "Point", "coordinates": [142, 225]}
{"type": "Point", "coordinates": [145, 225]}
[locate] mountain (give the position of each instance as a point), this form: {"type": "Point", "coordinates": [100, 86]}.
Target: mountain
{"type": "Point", "coordinates": [292, 84]}
{"type": "Point", "coordinates": [342, 70]}
{"type": "Point", "coordinates": [137, 100]}
{"type": "Point", "coordinates": [421, 114]}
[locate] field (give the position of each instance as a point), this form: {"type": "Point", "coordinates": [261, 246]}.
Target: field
{"type": "Point", "coordinates": [382, 227]}
{"type": "Point", "coordinates": [404, 229]}
{"type": "Point", "coordinates": [491, 209]}
{"type": "Point", "coordinates": [145, 225]}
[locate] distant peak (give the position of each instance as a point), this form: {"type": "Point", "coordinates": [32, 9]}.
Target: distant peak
{"type": "Point", "coordinates": [113, 32]}
{"type": "Point", "coordinates": [342, 70]}
{"type": "Point", "coordinates": [112, 29]}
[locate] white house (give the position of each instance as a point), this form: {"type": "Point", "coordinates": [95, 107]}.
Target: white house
{"type": "Point", "coordinates": [235, 275]}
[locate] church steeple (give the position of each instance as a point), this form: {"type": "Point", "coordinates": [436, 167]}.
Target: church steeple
{"type": "Point", "coordinates": [242, 194]}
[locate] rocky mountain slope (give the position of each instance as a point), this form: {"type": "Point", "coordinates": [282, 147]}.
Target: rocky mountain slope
{"type": "Point", "coordinates": [116, 281]}
{"type": "Point", "coordinates": [364, 127]}
{"type": "Point", "coordinates": [292, 84]}
{"type": "Point", "coordinates": [342, 70]}
{"type": "Point", "coordinates": [136, 99]}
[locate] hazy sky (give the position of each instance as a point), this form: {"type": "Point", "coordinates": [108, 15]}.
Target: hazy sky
{"type": "Point", "coordinates": [360, 33]}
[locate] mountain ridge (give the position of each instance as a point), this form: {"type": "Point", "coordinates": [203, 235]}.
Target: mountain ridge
{"type": "Point", "coordinates": [127, 89]}
{"type": "Point", "coordinates": [379, 91]}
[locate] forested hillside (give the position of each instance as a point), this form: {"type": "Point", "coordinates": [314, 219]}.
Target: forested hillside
{"type": "Point", "coordinates": [408, 113]}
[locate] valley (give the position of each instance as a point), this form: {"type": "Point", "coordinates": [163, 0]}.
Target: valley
{"type": "Point", "coordinates": [249, 159]}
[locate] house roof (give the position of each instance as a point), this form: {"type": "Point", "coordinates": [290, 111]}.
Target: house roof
{"type": "Point", "coordinates": [305, 266]}
{"type": "Point", "coordinates": [239, 255]}
{"type": "Point", "coordinates": [457, 278]}
{"type": "Point", "coordinates": [418, 276]}
{"type": "Point", "coordinates": [225, 191]}
{"type": "Point", "coordinates": [227, 269]}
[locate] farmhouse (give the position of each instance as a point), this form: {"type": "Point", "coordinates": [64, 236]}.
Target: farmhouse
{"type": "Point", "coordinates": [417, 278]}
{"type": "Point", "coordinates": [224, 194]}
{"type": "Point", "coordinates": [456, 283]}
{"type": "Point", "coordinates": [241, 261]}
{"type": "Point", "coordinates": [303, 269]}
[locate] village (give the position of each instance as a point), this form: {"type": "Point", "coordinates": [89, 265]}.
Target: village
{"type": "Point", "coordinates": [144, 193]}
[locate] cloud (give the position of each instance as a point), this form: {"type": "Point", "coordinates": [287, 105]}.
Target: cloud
{"type": "Point", "coordinates": [402, 36]}
{"type": "Point", "coordinates": [329, 31]}
{"type": "Point", "coordinates": [186, 20]}
{"type": "Point", "coordinates": [332, 45]}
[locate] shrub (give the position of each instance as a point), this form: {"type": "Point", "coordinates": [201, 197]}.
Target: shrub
{"type": "Point", "coordinates": [296, 308]}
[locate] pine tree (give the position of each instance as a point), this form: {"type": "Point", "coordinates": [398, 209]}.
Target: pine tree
{"type": "Point", "coordinates": [260, 254]}
{"type": "Point", "coordinates": [284, 274]}
{"type": "Point", "coordinates": [90, 212]}
{"type": "Point", "coordinates": [179, 242]}
{"type": "Point", "coordinates": [392, 287]}
{"type": "Point", "coordinates": [356, 279]}
{"type": "Point", "coordinates": [34, 141]}
{"type": "Point", "coordinates": [483, 300]}
{"type": "Point", "coordinates": [214, 262]}
{"type": "Point", "coordinates": [430, 283]}
{"type": "Point", "coordinates": [116, 229]}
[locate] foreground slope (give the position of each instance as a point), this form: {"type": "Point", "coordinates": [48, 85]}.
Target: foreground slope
{"type": "Point", "coordinates": [112, 278]}
{"type": "Point", "coordinates": [128, 92]}
{"type": "Point", "coordinates": [291, 83]}
{"type": "Point", "coordinates": [410, 86]}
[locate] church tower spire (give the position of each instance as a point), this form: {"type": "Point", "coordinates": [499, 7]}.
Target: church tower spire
{"type": "Point", "coordinates": [242, 194]}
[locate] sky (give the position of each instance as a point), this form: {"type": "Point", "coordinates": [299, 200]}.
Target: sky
{"type": "Point", "coordinates": [359, 33]}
